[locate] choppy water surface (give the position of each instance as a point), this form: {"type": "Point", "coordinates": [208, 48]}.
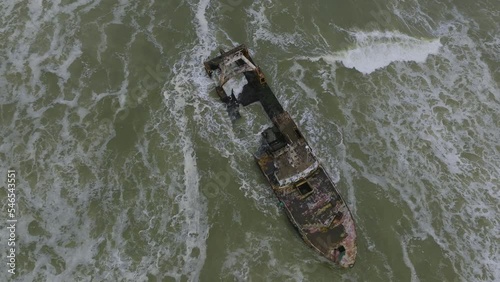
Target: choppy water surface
{"type": "Point", "coordinates": [130, 170]}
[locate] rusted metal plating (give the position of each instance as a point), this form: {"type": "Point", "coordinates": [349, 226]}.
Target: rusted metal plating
{"type": "Point", "coordinates": [309, 197]}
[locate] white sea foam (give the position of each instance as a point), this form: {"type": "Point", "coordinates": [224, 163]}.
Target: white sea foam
{"type": "Point", "coordinates": [192, 205]}
{"type": "Point", "coordinates": [263, 29]}
{"type": "Point", "coordinates": [298, 73]}
{"type": "Point", "coordinates": [120, 11]}
{"type": "Point", "coordinates": [428, 125]}
{"type": "Point", "coordinates": [62, 158]}
{"type": "Point", "coordinates": [406, 259]}
{"type": "Point", "coordinates": [375, 50]}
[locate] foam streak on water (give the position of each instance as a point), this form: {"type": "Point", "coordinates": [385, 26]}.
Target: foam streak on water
{"type": "Point", "coordinates": [375, 50]}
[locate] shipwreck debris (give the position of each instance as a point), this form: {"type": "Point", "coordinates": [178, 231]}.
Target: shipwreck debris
{"type": "Point", "coordinates": [302, 186]}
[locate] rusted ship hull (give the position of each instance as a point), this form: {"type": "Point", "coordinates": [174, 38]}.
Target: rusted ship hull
{"type": "Point", "coordinates": [306, 192]}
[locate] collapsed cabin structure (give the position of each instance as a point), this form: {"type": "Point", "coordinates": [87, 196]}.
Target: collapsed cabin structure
{"type": "Point", "coordinates": [303, 187]}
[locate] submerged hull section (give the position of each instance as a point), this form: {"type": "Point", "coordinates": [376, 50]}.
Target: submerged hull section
{"type": "Point", "coordinates": [309, 197]}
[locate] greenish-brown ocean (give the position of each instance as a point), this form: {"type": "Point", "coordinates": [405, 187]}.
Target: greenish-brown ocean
{"type": "Point", "coordinates": [128, 167]}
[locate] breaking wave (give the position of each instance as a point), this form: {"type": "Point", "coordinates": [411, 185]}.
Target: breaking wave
{"type": "Point", "coordinates": [375, 50]}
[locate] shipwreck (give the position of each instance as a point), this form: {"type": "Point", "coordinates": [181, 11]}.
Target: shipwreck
{"type": "Point", "coordinates": [308, 196]}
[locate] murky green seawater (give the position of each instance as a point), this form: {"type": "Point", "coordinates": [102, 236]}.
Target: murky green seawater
{"type": "Point", "coordinates": [129, 169]}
